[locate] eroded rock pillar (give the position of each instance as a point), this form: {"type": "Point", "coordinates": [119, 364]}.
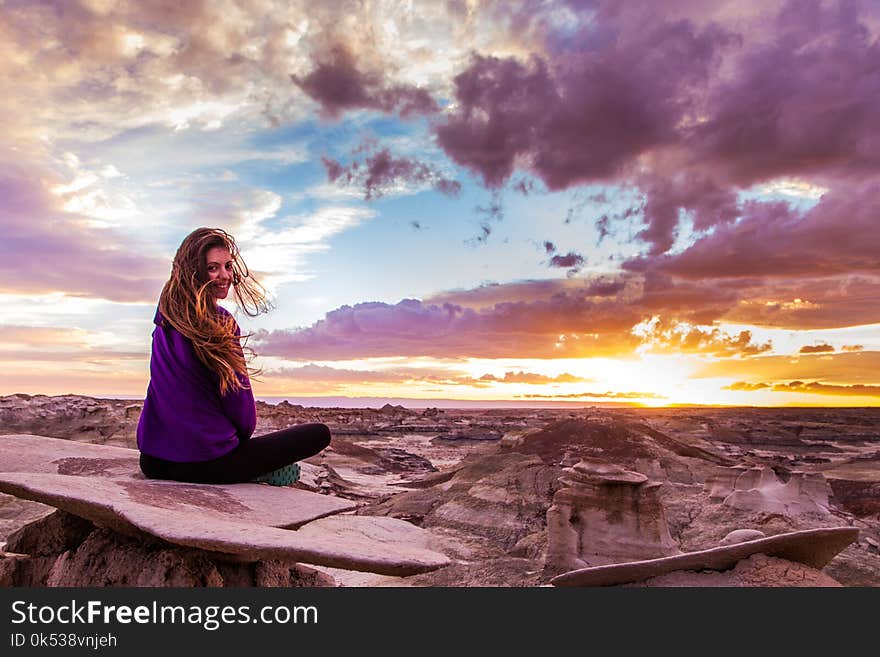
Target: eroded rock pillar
{"type": "Point", "coordinates": [605, 514]}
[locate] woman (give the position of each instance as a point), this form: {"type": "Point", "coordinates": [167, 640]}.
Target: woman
{"type": "Point", "coordinates": [199, 413]}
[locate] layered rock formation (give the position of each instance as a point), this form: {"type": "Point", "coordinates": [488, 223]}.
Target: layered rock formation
{"type": "Point", "coordinates": [102, 421]}
{"type": "Point", "coordinates": [855, 485]}
{"type": "Point", "coordinates": [499, 498]}
{"type": "Point", "coordinates": [65, 550]}
{"type": "Point", "coordinates": [605, 514]}
{"type": "Point", "coordinates": [632, 445]}
{"type": "Point", "coordinates": [760, 489]}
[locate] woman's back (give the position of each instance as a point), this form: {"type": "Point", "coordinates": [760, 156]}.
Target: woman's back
{"type": "Point", "coordinates": [185, 418]}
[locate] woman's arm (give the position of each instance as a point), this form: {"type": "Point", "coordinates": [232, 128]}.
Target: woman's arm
{"type": "Point", "coordinates": [239, 405]}
{"type": "Point", "coordinates": [240, 408]}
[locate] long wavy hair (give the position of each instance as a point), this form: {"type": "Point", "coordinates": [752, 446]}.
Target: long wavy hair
{"type": "Point", "coordinates": [187, 304]}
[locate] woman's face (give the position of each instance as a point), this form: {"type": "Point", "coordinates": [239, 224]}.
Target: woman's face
{"type": "Point", "coordinates": [219, 266]}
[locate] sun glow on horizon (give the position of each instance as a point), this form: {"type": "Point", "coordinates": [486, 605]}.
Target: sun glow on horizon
{"type": "Point", "coordinates": [651, 380]}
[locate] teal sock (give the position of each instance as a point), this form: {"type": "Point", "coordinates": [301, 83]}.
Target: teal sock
{"type": "Point", "coordinates": [282, 476]}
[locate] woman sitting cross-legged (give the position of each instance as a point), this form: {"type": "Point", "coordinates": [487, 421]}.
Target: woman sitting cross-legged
{"type": "Point", "coordinates": [199, 414]}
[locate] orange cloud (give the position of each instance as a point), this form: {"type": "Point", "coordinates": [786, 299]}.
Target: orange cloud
{"type": "Point", "coordinates": [41, 336]}
{"type": "Point", "coordinates": [851, 367]}
{"type": "Point", "coordinates": [746, 386]}
{"type": "Point", "coordinates": [49, 344]}
{"type": "Point", "coordinates": [814, 387]}
{"type": "Point", "coordinates": [668, 337]}
{"type": "Point", "coordinates": [53, 381]}
{"type": "Point", "coordinates": [531, 377]}
{"type": "Point", "coordinates": [337, 378]}
{"type": "Point", "coordinates": [816, 349]}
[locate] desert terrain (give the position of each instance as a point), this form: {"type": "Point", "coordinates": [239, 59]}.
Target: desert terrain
{"type": "Point", "coordinates": [483, 481]}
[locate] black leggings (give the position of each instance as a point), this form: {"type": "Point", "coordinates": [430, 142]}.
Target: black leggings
{"type": "Point", "coordinates": [246, 462]}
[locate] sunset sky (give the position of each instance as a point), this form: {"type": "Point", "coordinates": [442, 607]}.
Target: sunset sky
{"type": "Point", "coordinates": [670, 202]}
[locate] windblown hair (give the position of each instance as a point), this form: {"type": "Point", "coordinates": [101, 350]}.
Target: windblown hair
{"type": "Point", "coordinates": [187, 305]}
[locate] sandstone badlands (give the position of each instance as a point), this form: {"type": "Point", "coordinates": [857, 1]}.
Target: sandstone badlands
{"type": "Point", "coordinates": [517, 497]}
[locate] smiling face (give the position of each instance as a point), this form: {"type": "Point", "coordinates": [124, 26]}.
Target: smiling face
{"type": "Point", "coordinates": [219, 265]}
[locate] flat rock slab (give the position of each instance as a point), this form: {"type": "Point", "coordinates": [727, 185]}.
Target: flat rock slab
{"type": "Point", "coordinates": [114, 473]}
{"type": "Point", "coordinates": [104, 484]}
{"type": "Point", "coordinates": [184, 514]}
{"type": "Point", "coordinates": [813, 547]}
{"type": "Point", "coordinates": [27, 453]}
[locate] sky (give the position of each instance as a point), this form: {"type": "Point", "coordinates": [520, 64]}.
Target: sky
{"type": "Point", "coordinates": [517, 201]}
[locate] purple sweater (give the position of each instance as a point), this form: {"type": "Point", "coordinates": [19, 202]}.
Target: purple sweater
{"type": "Point", "coordinates": [185, 418]}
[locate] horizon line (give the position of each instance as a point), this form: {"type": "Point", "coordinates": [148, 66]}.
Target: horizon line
{"type": "Point", "coordinates": [338, 401]}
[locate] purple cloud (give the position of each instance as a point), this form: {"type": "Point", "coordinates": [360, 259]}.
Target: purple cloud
{"type": "Point", "coordinates": [571, 259]}
{"type": "Point", "coordinates": [805, 101]}
{"type": "Point", "coordinates": [774, 239]}
{"type": "Point", "coordinates": [338, 85]}
{"type": "Point", "coordinates": [382, 170]}
{"type": "Point", "coordinates": [539, 319]}
{"type": "Point", "coordinates": [414, 328]}
{"type": "Point", "coordinates": [583, 117]}
{"type": "Point", "coordinates": [690, 110]}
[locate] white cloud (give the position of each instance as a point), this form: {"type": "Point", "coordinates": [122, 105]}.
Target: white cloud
{"type": "Point", "coordinates": [93, 196]}
{"type": "Point", "coordinates": [208, 114]}
{"type": "Point", "coordinates": [281, 252]}
{"type": "Point", "coordinates": [793, 187]}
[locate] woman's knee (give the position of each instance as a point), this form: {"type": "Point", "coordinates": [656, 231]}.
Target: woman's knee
{"type": "Point", "coordinates": [150, 468]}
{"type": "Point", "coordinates": [322, 433]}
